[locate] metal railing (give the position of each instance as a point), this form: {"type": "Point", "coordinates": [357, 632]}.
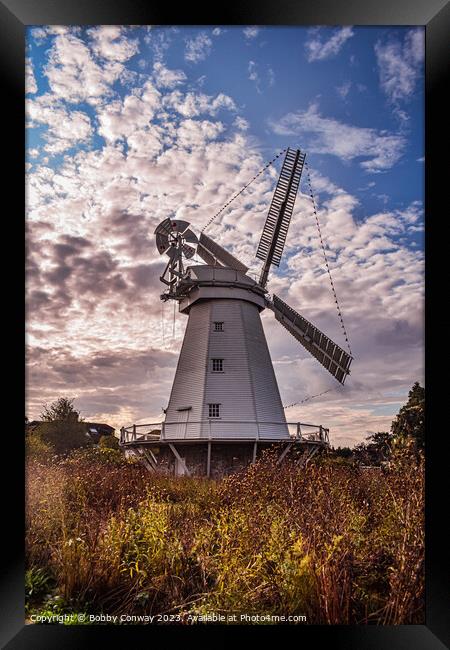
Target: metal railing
{"type": "Point", "coordinates": [219, 429]}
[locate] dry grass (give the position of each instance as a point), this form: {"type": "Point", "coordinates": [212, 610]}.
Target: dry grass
{"type": "Point", "coordinates": [330, 542]}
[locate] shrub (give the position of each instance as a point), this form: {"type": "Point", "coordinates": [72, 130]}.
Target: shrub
{"type": "Point", "coordinates": [35, 447]}
{"type": "Point", "coordinates": [108, 442]}
{"type": "Point", "coordinates": [63, 435]}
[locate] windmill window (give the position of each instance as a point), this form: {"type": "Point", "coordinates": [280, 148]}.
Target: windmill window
{"type": "Point", "coordinates": [218, 326]}
{"type": "Point", "coordinates": [214, 410]}
{"type": "Point", "coordinates": [217, 365]}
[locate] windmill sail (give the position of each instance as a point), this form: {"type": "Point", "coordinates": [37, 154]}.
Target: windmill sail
{"type": "Point", "coordinates": [275, 230]}
{"type": "Point", "coordinates": [170, 227]}
{"type": "Point", "coordinates": [328, 353]}
{"type": "Point", "coordinates": [212, 253]}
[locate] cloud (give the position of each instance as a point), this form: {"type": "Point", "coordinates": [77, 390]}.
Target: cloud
{"type": "Point", "coordinates": [241, 123]}
{"type": "Point", "coordinates": [251, 32]}
{"type": "Point", "coordinates": [74, 75]}
{"type": "Point", "coordinates": [65, 129]}
{"type": "Point", "coordinates": [193, 104]}
{"type": "Point", "coordinates": [326, 135]}
{"type": "Point", "coordinates": [266, 78]}
{"type": "Point", "coordinates": [111, 42]}
{"type": "Point", "coordinates": [318, 49]}
{"type": "Point", "coordinates": [30, 80]}
{"type": "Point", "coordinates": [41, 34]}
{"type": "Point", "coordinates": [159, 41]}
{"type": "Point", "coordinates": [400, 64]}
{"type": "Point", "coordinates": [198, 48]}
{"type": "Point", "coordinates": [253, 74]}
{"type": "Point", "coordinates": [344, 89]}
{"type": "Point", "coordinates": [165, 78]}
{"type": "Point", "coordinates": [123, 378]}
{"type": "Point", "coordinates": [122, 118]}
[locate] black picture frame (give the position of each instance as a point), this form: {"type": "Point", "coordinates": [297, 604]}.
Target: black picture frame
{"type": "Point", "coordinates": [15, 16]}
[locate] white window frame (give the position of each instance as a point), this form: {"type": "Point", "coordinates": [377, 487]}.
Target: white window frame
{"type": "Point", "coordinates": [217, 362]}
{"type": "Point", "coordinates": [212, 408]}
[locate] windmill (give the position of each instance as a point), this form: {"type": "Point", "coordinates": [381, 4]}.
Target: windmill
{"type": "Point", "coordinates": [225, 390]}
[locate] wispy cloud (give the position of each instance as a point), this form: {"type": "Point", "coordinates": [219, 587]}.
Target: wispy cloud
{"type": "Point", "coordinates": [159, 41]}
{"type": "Point", "coordinates": [344, 89]}
{"type": "Point", "coordinates": [261, 78]}
{"type": "Point", "coordinates": [30, 80]}
{"type": "Point", "coordinates": [198, 48]}
{"type": "Point", "coordinates": [319, 49]}
{"type": "Point", "coordinates": [400, 64]}
{"type": "Point", "coordinates": [241, 123]}
{"type": "Point", "coordinates": [251, 32]}
{"type": "Point", "coordinates": [327, 135]}
{"type": "Point", "coordinates": [253, 75]}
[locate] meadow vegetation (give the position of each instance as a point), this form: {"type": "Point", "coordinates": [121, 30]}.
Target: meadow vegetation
{"type": "Point", "coordinates": [331, 541]}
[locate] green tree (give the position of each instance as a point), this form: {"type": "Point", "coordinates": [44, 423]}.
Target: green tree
{"type": "Point", "coordinates": [341, 452]}
{"type": "Point", "coordinates": [61, 410]}
{"type": "Point", "coordinates": [61, 428]}
{"type": "Point", "coordinates": [410, 420]}
{"type": "Point", "coordinates": [376, 450]}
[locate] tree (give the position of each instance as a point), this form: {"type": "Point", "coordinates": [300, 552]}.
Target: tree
{"type": "Point", "coordinates": [376, 450]}
{"type": "Point", "coordinates": [410, 420]}
{"type": "Point", "coordinates": [341, 452]}
{"type": "Point", "coordinates": [361, 454]}
{"type": "Point", "coordinates": [61, 427]}
{"type": "Point", "coordinates": [60, 410]}
{"type": "Point", "coordinates": [380, 445]}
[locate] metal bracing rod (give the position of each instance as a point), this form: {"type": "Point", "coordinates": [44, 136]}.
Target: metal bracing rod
{"type": "Point", "coordinates": [269, 257]}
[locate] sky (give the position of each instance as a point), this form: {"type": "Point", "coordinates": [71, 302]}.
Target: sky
{"type": "Point", "coordinates": [127, 126]}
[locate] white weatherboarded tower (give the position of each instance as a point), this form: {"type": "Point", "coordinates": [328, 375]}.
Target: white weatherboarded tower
{"type": "Point", "coordinates": [225, 404]}
{"type": "Point", "coordinates": [225, 385]}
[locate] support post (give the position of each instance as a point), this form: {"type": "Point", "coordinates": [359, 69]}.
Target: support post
{"type": "Point", "coordinates": [255, 449]}
{"type": "Point", "coordinates": [140, 453]}
{"type": "Point", "coordinates": [208, 460]}
{"type": "Point", "coordinates": [178, 457]}
{"type": "Point", "coordinates": [285, 451]}
{"type": "Point", "coordinates": [134, 432]}
{"type": "Point", "coordinates": [312, 453]}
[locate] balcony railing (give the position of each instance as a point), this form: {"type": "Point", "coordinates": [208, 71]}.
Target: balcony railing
{"type": "Point", "coordinates": [216, 430]}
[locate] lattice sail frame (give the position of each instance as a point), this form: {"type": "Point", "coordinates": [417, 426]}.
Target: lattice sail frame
{"type": "Point", "coordinates": [332, 357]}
{"type": "Point", "coordinates": [273, 237]}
